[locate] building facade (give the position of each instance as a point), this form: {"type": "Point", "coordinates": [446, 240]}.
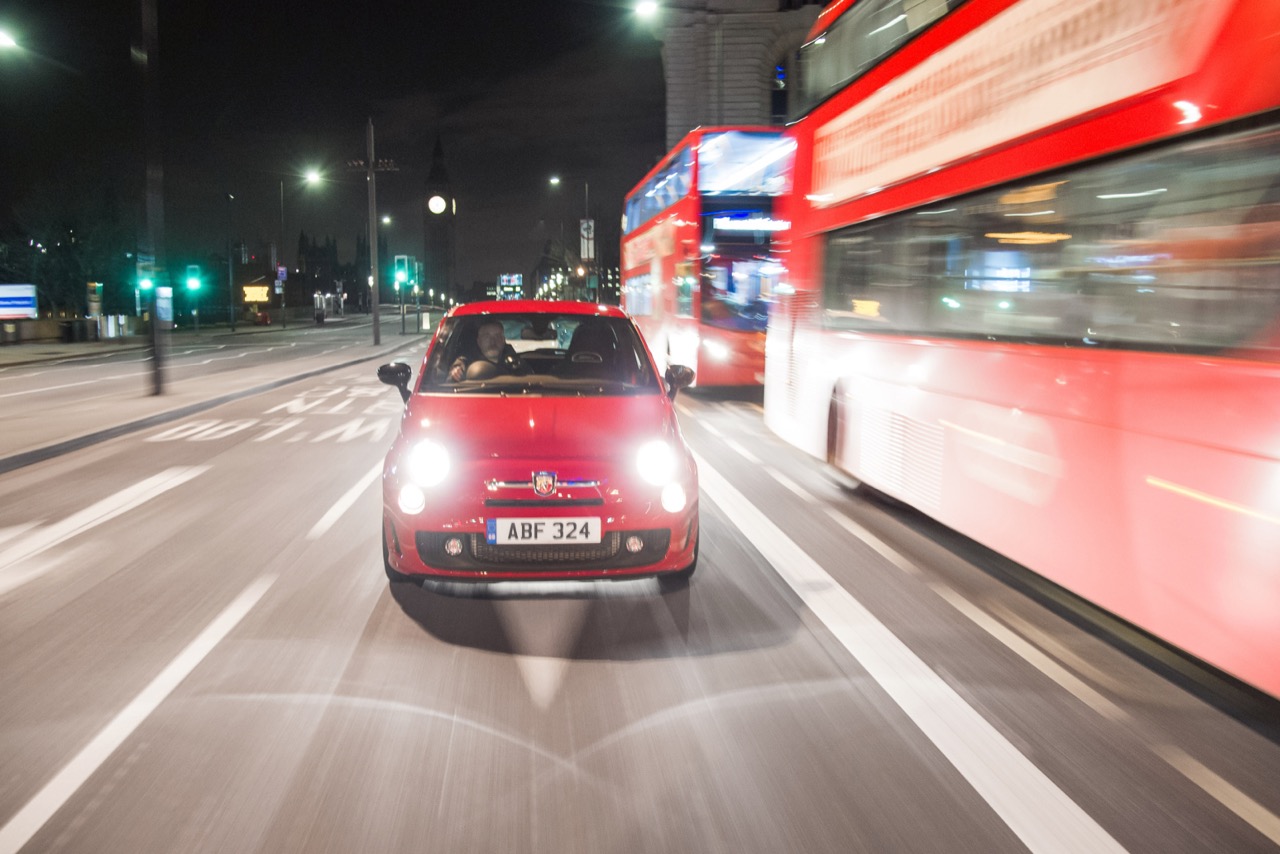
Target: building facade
{"type": "Point", "coordinates": [730, 61]}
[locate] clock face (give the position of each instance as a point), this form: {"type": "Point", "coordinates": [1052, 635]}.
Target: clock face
{"type": "Point", "coordinates": [437, 204]}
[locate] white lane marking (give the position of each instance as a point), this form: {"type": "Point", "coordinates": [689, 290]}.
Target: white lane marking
{"type": "Point", "coordinates": [743, 452]}
{"type": "Point", "coordinates": [19, 830]}
{"type": "Point", "coordinates": [1035, 809]}
{"type": "Point", "coordinates": [1060, 651]}
{"type": "Point", "coordinates": [343, 504]}
{"type": "Point", "coordinates": [1259, 817]}
{"type": "Point", "coordinates": [13, 574]}
{"type": "Point", "coordinates": [711, 428]}
{"type": "Point", "coordinates": [878, 545]}
{"type": "Point", "coordinates": [795, 488]}
{"type": "Point", "coordinates": [1033, 656]}
{"type": "Point", "coordinates": [47, 388]}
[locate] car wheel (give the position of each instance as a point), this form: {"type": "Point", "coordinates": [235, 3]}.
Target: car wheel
{"type": "Point", "coordinates": [392, 575]}
{"type": "Point", "coordinates": [680, 578]}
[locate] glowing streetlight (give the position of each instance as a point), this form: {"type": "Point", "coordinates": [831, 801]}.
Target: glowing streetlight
{"type": "Point", "coordinates": [7, 41]}
{"type": "Point", "coordinates": [647, 8]}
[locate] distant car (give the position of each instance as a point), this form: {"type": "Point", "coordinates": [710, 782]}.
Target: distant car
{"type": "Point", "coordinates": [261, 318]}
{"type": "Point", "coordinates": [560, 458]}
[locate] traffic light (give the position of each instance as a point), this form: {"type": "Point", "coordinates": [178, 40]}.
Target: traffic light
{"type": "Point", "coordinates": [145, 283]}
{"type": "Point", "coordinates": [193, 277]}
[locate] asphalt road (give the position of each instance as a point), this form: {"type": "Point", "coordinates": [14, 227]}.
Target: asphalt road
{"type": "Point", "coordinates": [202, 653]}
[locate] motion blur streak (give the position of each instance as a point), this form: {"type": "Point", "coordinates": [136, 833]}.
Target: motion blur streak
{"type": "Point", "coordinates": [1041, 815]}
{"type": "Point", "coordinates": [28, 820]}
{"type": "Point", "coordinates": [1195, 495]}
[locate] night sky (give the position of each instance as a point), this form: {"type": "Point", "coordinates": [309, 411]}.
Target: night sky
{"type": "Point", "coordinates": [253, 91]}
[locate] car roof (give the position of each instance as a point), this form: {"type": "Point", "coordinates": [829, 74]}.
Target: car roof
{"type": "Point", "coordinates": [537, 306]}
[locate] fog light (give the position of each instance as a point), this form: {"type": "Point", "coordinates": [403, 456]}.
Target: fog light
{"type": "Point", "coordinates": [634, 544]}
{"type": "Point", "coordinates": [412, 500]}
{"type": "Point", "coordinates": [453, 547]}
{"type": "Point", "coordinates": [673, 500]}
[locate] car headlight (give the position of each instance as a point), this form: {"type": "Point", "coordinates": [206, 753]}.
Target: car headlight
{"type": "Point", "coordinates": [427, 463]}
{"type": "Point", "coordinates": [412, 499]}
{"type": "Point", "coordinates": [657, 462]}
{"type": "Point", "coordinates": [673, 498]}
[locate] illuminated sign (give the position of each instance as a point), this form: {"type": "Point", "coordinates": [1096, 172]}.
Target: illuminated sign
{"type": "Point", "coordinates": [257, 293]}
{"type": "Point", "coordinates": [728, 223]}
{"type": "Point", "coordinates": [510, 286]}
{"type": "Point", "coordinates": [866, 307]}
{"type": "Point", "coordinates": [17, 302]}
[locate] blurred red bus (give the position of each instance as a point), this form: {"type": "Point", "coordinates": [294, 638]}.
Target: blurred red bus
{"type": "Point", "coordinates": [698, 267]}
{"type": "Point", "coordinates": [1036, 254]}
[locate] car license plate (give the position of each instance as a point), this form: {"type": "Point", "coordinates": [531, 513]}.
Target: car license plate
{"type": "Point", "coordinates": [543, 531]}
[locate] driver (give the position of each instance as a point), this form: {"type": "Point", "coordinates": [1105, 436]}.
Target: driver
{"type": "Point", "coordinates": [496, 356]}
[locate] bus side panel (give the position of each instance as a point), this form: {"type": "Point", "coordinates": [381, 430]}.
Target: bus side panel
{"type": "Point", "coordinates": [1085, 468]}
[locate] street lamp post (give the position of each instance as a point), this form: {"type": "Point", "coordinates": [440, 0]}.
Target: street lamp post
{"type": "Point", "coordinates": [284, 313]}
{"type": "Point", "coordinates": [311, 177]}
{"type": "Point", "coordinates": [231, 285]}
{"type": "Point", "coordinates": [370, 166]}
{"type": "Point", "coordinates": [402, 281]}
{"type": "Point", "coordinates": [586, 257]}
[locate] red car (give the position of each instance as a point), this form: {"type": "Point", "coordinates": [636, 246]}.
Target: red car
{"type": "Point", "coordinates": [539, 442]}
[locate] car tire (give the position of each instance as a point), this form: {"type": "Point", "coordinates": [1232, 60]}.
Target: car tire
{"type": "Point", "coordinates": [679, 579]}
{"type": "Point", "coordinates": [392, 575]}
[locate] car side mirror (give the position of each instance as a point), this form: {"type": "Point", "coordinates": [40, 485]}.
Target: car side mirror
{"type": "Point", "coordinates": [396, 374]}
{"type": "Point", "coordinates": [678, 377]}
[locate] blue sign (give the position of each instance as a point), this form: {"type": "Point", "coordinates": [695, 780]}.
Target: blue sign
{"type": "Point", "coordinates": [18, 302]}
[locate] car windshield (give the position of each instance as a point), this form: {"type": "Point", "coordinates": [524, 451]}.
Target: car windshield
{"type": "Point", "coordinates": [539, 353]}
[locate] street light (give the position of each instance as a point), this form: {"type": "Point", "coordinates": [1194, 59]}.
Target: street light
{"type": "Point", "coordinates": [7, 41]}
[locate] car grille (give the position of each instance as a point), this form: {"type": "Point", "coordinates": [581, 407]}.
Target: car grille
{"type": "Point", "coordinates": [478, 555]}
{"type": "Point", "coordinates": [583, 553]}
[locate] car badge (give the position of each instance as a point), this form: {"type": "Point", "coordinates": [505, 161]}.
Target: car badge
{"type": "Point", "coordinates": [544, 483]}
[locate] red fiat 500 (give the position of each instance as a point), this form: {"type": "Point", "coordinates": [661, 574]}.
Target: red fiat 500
{"type": "Point", "coordinates": [539, 441]}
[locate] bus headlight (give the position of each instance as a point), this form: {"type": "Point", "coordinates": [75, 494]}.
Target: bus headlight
{"type": "Point", "coordinates": [716, 350]}
{"type": "Point", "coordinates": [427, 463]}
{"type": "Point", "coordinates": [657, 462]}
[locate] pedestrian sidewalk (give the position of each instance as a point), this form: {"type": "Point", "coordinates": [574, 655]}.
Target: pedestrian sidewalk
{"type": "Point", "coordinates": [35, 352]}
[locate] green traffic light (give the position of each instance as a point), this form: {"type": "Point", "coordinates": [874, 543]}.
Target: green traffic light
{"type": "Point", "coordinates": [146, 284]}
{"type": "Point", "coordinates": [193, 284]}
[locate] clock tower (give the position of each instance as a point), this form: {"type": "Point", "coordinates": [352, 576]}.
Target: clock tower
{"type": "Point", "coordinates": [440, 209]}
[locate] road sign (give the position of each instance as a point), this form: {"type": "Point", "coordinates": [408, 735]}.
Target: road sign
{"type": "Point", "coordinates": [282, 273]}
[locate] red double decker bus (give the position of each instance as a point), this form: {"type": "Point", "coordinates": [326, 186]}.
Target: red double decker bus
{"type": "Point", "coordinates": [1036, 252]}
{"type": "Point", "coordinates": [698, 267]}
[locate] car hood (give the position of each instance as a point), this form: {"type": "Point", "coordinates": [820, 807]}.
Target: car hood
{"type": "Point", "coordinates": [489, 426]}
